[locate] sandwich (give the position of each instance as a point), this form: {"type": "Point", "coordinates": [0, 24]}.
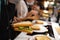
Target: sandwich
{"type": "Point", "coordinates": [39, 22]}
{"type": "Point", "coordinates": [42, 38]}
{"type": "Point", "coordinates": [26, 29]}
{"type": "Point", "coordinates": [23, 27]}
{"type": "Point", "coordinates": [35, 27]}
{"type": "Point", "coordinates": [24, 23]}
{"type": "Point", "coordinates": [45, 15]}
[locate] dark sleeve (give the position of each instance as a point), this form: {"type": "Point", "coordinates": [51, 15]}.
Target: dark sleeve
{"type": "Point", "coordinates": [4, 22]}
{"type": "Point", "coordinates": [11, 10]}
{"type": "Point", "coordinates": [0, 9]}
{"type": "Point", "coordinates": [40, 4]}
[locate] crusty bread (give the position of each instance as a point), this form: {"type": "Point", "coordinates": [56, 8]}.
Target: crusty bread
{"type": "Point", "coordinates": [45, 15]}
{"type": "Point", "coordinates": [39, 22]}
{"type": "Point", "coordinates": [42, 38]}
{"type": "Point", "coordinates": [27, 31]}
{"type": "Point", "coordinates": [23, 24]}
{"type": "Point", "coordinates": [35, 27]}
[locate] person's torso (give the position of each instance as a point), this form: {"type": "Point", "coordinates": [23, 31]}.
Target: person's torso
{"type": "Point", "coordinates": [13, 1]}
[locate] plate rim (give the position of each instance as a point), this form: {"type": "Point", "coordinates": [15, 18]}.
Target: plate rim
{"type": "Point", "coordinates": [40, 29]}
{"type": "Point", "coordinates": [41, 35]}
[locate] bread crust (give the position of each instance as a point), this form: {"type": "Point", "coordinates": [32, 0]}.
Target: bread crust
{"type": "Point", "coordinates": [42, 38]}
{"type": "Point", "coordinates": [39, 22]}
{"type": "Point", "coordinates": [23, 24]}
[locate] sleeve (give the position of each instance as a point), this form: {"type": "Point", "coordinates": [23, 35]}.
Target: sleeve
{"type": "Point", "coordinates": [22, 9]}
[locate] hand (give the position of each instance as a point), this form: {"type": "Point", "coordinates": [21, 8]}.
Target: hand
{"type": "Point", "coordinates": [35, 7]}
{"type": "Point", "coordinates": [16, 20]}
{"type": "Point", "coordinates": [34, 12]}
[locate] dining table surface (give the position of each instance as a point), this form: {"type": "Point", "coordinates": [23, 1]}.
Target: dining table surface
{"type": "Point", "coordinates": [55, 34]}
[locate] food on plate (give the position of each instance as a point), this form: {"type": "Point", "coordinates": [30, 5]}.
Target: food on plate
{"type": "Point", "coordinates": [39, 22]}
{"type": "Point", "coordinates": [58, 30]}
{"type": "Point", "coordinates": [42, 38]}
{"type": "Point", "coordinates": [24, 23]}
{"type": "Point", "coordinates": [23, 26]}
{"type": "Point", "coordinates": [23, 29]}
{"type": "Point", "coordinates": [45, 15]}
{"type": "Point", "coordinates": [35, 27]}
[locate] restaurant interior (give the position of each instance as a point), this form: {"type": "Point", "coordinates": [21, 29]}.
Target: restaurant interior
{"type": "Point", "coordinates": [29, 19]}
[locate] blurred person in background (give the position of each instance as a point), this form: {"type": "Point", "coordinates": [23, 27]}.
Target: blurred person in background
{"type": "Point", "coordinates": [58, 10]}
{"type": "Point", "coordinates": [11, 4]}
{"type": "Point", "coordinates": [41, 4]}
{"type": "Point", "coordinates": [4, 22]}
{"type": "Point", "coordinates": [30, 8]}
{"type": "Point", "coordinates": [11, 11]}
{"type": "Point", "coordinates": [29, 3]}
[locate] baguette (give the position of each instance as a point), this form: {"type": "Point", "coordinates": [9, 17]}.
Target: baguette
{"type": "Point", "coordinates": [25, 23]}
{"type": "Point", "coordinates": [39, 22]}
{"type": "Point", "coordinates": [35, 27]}
{"type": "Point", "coordinates": [45, 15]}
{"type": "Point", "coordinates": [42, 38]}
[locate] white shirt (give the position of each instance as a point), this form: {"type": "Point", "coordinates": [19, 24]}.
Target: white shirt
{"type": "Point", "coordinates": [22, 9]}
{"type": "Point", "coordinates": [13, 1]}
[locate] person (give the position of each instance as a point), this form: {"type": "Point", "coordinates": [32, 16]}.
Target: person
{"type": "Point", "coordinates": [29, 4]}
{"type": "Point", "coordinates": [31, 10]}
{"type": "Point", "coordinates": [35, 6]}
{"type": "Point", "coordinates": [4, 22]}
{"type": "Point", "coordinates": [0, 9]}
{"type": "Point", "coordinates": [58, 16]}
{"type": "Point", "coordinates": [41, 5]}
{"type": "Point", "coordinates": [11, 10]}
{"type": "Point", "coordinates": [58, 10]}
{"type": "Point", "coordinates": [22, 9]}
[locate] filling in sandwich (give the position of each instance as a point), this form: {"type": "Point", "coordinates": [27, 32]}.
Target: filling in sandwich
{"type": "Point", "coordinates": [25, 28]}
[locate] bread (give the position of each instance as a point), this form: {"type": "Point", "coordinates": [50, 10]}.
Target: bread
{"type": "Point", "coordinates": [39, 22]}
{"type": "Point", "coordinates": [58, 30]}
{"type": "Point", "coordinates": [42, 38]}
{"type": "Point", "coordinates": [35, 27]}
{"type": "Point", "coordinates": [45, 15]}
{"type": "Point", "coordinates": [23, 27]}
{"type": "Point", "coordinates": [25, 23]}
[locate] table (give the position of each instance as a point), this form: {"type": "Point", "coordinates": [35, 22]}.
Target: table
{"type": "Point", "coordinates": [57, 36]}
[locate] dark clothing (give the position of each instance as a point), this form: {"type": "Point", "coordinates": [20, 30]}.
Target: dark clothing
{"type": "Point", "coordinates": [29, 6]}
{"type": "Point", "coordinates": [41, 5]}
{"type": "Point", "coordinates": [7, 13]}
{"type": "Point", "coordinates": [58, 17]}
{"type": "Point", "coordinates": [4, 22]}
{"type": "Point", "coordinates": [11, 10]}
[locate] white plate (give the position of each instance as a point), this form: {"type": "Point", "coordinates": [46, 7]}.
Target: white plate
{"type": "Point", "coordinates": [42, 29]}
{"type": "Point", "coordinates": [33, 37]}
{"type": "Point", "coordinates": [45, 22]}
